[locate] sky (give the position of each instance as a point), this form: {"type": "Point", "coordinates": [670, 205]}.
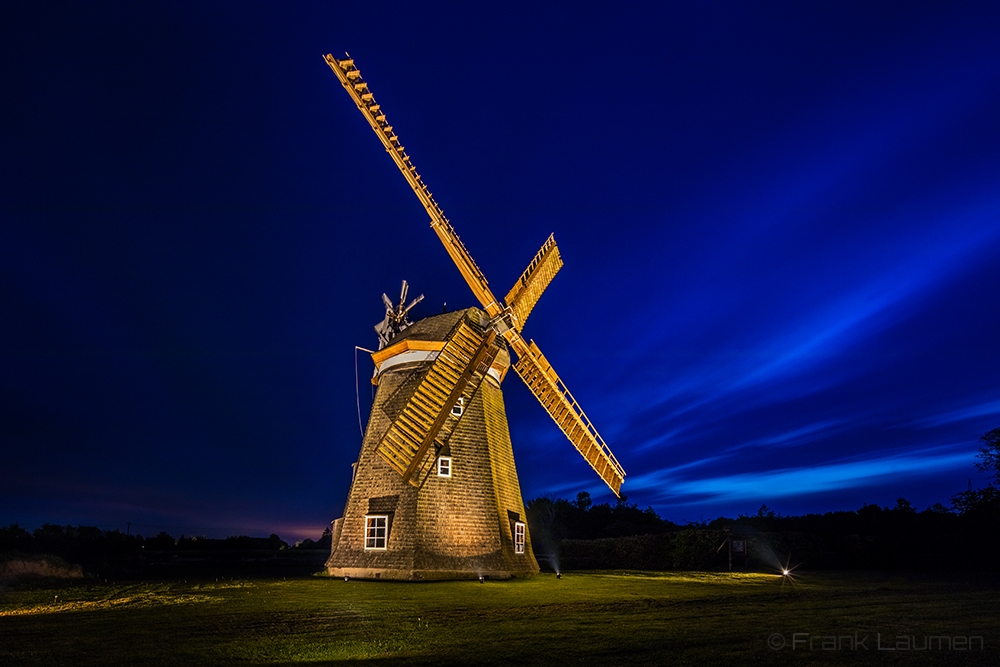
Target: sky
{"type": "Point", "coordinates": [780, 224]}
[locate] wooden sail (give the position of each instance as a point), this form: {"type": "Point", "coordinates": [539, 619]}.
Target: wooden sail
{"type": "Point", "coordinates": [544, 383]}
{"type": "Point", "coordinates": [427, 416]}
{"type": "Point", "coordinates": [523, 296]}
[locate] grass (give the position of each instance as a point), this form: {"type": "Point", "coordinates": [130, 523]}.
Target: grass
{"type": "Point", "coordinates": [599, 618]}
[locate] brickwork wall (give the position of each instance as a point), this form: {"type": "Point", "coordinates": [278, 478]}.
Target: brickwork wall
{"type": "Point", "coordinates": [505, 485]}
{"type": "Point", "coordinates": [374, 478]}
{"type": "Point", "coordinates": [449, 525]}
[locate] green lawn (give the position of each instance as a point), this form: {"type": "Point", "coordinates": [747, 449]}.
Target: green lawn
{"type": "Point", "coordinates": [599, 618]}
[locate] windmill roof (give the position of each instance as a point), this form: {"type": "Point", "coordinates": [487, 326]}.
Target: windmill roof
{"type": "Point", "coordinates": [435, 327]}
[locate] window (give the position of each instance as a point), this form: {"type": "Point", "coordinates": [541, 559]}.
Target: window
{"type": "Point", "coordinates": [519, 537]}
{"type": "Point", "coordinates": [376, 528]}
{"type": "Point", "coordinates": [444, 466]}
{"type": "Point", "coordinates": [459, 407]}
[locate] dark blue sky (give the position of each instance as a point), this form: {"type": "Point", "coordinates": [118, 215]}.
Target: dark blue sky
{"type": "Point", "coordinates": [780, 224]}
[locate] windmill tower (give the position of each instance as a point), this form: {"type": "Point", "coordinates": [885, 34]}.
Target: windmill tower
{"type": "Point", "coordinates": [435, 492]}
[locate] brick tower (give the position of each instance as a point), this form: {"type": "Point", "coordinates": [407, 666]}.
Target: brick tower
{"type": "Point", "coordinates": [461, 514]}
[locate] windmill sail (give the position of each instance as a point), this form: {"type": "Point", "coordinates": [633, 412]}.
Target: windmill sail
{"type": "Point", "coordinates": [357, 88]}
{"type": "Point", "coordinates": [526, 291]}
{"type": "Point", "coordinates": [427, 416]}
{"type": "Point", "coordinates": [537, 373]}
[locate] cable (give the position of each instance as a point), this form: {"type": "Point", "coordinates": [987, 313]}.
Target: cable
{"type": "Point", "coordinates": [357, 386]}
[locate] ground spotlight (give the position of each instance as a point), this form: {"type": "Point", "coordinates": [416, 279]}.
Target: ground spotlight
{"type": "Point", "coordinates": [482, 579]}
{"type": "Point", "coordinates": [558, 575]}
{"type": "Point", "coordinates": [787, 570]}
{"type": "Point", "coordinates": [346, 578]}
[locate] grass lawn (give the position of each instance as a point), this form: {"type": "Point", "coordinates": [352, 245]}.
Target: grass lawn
{"type": "Point", "coordinates": [598, 618]}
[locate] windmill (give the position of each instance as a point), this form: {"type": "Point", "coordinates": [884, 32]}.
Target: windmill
{"type": "Point", "coordinates": [435, 492]}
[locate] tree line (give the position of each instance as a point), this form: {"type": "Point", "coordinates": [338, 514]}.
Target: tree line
{"type": "Point", "coordinates": [112, 553]}
{"type": "Point", "coordinates": [580, 534]}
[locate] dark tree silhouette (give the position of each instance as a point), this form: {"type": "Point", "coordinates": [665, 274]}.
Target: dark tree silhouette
{"type": "Point", "coordinates": [553, 519]}
{"type": "Point", "coordinates": [978, 503]}
{"type": "Point", "coordinates": [990, 454]}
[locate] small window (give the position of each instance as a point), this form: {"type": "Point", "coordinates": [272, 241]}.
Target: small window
{"type": "Point", "coordinates": [376, 528]}
{"type": "Point", "coordinates": [459, 407]}
{"type": "Point", "coordinates": [444, 466]}
{"type": "Point", "coordinates": [519, 537]}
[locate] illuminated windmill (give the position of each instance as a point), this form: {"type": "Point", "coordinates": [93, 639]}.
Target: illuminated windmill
{"type": "Point", "coordinates": [435, 491]}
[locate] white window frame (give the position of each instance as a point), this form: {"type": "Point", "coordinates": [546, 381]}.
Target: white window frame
{"type": "Point", "coordinates": [519, 532]}
{"type": "Point", "coordinates": [444, 466]}
{"type": "Point", "coordinates": [459, 407]}
{"type": "Point", "coordinates": [374, 525]}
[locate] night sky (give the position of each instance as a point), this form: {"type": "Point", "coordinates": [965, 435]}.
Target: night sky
{"type": "Point", "coordinates": [780, 224]}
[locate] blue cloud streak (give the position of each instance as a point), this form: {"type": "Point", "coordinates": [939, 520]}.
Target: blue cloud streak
{"type": "Point", "coordinates": [798, 481]}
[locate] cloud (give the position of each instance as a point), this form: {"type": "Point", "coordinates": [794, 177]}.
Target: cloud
{"type": "Point", "coordinates": [796, 436]}
{"type": "Point", "coordinates": [961, 414]}
{"type": "Point", "coordinates": [799, 481]}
